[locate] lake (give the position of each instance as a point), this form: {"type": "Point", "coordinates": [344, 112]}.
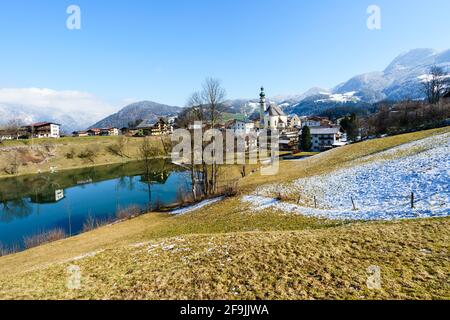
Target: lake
{"type": "Point", "coordinates": [30, 205]}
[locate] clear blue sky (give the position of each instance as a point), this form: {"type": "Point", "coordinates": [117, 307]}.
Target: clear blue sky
{"type": "Point", "coordinates": [161, 50]}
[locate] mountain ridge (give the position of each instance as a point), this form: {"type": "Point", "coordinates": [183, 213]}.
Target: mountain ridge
{"type": "Point", "coordinates": [142, 110]}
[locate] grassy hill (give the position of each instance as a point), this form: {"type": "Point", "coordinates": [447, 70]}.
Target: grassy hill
{"type": "Point", "coordinates": [40, 155]}
{"type": "Point", "coordinates": [228, 251]}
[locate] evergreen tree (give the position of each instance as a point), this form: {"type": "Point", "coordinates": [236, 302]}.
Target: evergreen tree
{"type": "Point", "coordinates": [305, 141]}
{"type": "Point", "coordinates": [350, 126]}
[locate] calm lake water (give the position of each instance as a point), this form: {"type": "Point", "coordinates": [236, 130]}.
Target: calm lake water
{"type": "Point", "coordinates": [33, 204]}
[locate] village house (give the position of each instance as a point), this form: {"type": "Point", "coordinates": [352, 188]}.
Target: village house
{"type": "Point", "coordinates": [80, 134]}
{"type": "Point", "coordinates": [94, 132]}
{"type": "Point", "coordinates": [158, 128]}
{"type": "Point", "coordinates": [43, 130]}
{"type": "Point", "coordinates": [129, 132]}
{"type": "Point", "coordinates": [315, 121]}
{"type": "Point", "coordinates": [242, 127]}
{"type": "Point", "coordinates": [109, 131]}
{"type": "Point", "coordinates": [294, 122]}
{"type": "Point", "coordinates": [7, 135]}
{"type": "Point", "coordinates": [325, 138]}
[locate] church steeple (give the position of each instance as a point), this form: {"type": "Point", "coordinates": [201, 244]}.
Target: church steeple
{"type": "Point", "coordinates": [262, 107]}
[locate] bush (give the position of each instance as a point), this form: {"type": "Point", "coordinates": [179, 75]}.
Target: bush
{"type": "Point", "coordinates": [118, 149]}
{"type": "Point", "coordinates": [43, 238]}
{"type": "Point", "coordinates": [231, 189]}
{"type": "Point", "coordinates": [129, 212]}
{"type": "Point", "coordinates": [89, 154]}
{"type": "Point", "coordinates": [4, 250]}
{"type": "Point", "coordinates": [91, 223]}
{"type": "Point", "coordinates": [70, 154]}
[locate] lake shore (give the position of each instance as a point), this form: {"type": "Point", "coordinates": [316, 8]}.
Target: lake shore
{"type": "Point", "coordinates": [26, 157]}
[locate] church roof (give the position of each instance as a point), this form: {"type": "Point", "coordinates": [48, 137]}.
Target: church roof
{"type": "Point", "coordinates": [274, 110]}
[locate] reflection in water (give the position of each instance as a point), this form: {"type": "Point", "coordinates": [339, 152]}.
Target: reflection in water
{"type": "Point", "coordinates": [33, 204]}
{"type": "Point", "coordinates": [17, 208]}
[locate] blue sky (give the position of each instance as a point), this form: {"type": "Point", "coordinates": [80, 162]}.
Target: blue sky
{"type": "Point", "coordinates": [161, 50]}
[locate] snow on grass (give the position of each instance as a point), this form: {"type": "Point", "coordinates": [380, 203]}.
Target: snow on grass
{"type": "Point", "coordinates": [196, 206]}
{"type": "Point", "coordinates": [381, 189]}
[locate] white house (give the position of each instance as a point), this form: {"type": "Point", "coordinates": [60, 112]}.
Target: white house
{"type": "Point", "coordinates": [109, 131]}
{"type": "Point", "coordinates": [325, 138]}
{"type": "Point", "coordinates": [242, 127]}
{"type": "Point", "coordinates": [294, 121]}
{"type": "Point", "coordinates": [44, 130]}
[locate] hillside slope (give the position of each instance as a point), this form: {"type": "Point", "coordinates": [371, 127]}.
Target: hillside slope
{"type": "Point", "coordinates": [226, 250]}
{"type": "Point", "coordinates": [144, 110]}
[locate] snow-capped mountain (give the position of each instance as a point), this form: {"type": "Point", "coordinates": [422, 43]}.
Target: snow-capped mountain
{"type": "Point", "coordinates": [402, 79]}
{"type": "Point", "coordinates": [29, 115]}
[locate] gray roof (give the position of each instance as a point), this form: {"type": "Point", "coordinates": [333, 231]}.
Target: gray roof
{"type": "Point", "coordinates": [324, 130]}
{"type": "Point", "coordinates": [146, 124]}
{"type": "Point", "coordinates": [274, 110]}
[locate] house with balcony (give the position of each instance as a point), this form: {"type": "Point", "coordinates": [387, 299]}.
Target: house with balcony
{"type": "Point", "coordinates": [43, 130]}
{"type": "Point", "coordinates": [325, 138]}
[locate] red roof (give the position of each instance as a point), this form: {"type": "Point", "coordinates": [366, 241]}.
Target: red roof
{"type": "Point", "coordinates": [42, 124]}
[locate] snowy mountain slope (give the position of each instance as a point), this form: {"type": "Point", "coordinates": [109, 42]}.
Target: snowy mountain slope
{"type": "Point", "coordinates": [399, 81]}
{"type": "Point", "coordinates": [401, 78]}
{"type": "Point", "coordinates": [421, 167]}
{"type": "Point", "coordinates": [28, 115]}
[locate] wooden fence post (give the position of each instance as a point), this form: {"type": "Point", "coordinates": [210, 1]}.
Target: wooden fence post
{"type": "Point", "coordinates": [353, 203]}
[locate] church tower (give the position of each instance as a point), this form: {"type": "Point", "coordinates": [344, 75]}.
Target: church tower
{"type": "Point", "coordinates": [262, 107]}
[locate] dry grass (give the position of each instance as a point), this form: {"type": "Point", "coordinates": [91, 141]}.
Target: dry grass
{"type": "Point", "coordinates": [40, 155]}
{"type": "Point", "coordinates": [313, 264]}
{"type": "Point", "coordinates": [225, 251]}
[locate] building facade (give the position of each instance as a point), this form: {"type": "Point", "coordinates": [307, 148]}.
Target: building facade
{"type": "Point", "coordinates": [43, 130]}
{"type": "Point", "coordinates": [325, 138]}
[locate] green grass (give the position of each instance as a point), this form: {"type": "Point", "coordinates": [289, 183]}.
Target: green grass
{"type": "Point", "coordinates": [225, 251]}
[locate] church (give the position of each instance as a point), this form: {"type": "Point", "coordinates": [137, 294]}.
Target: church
{"type": "Point", "coordinates": [272, 117]}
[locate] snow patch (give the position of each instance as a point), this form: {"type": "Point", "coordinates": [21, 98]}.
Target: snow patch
{"type": "Point", "coordinates": [380, 190]}
{"type": "Point", "coordinates": [196, 206]}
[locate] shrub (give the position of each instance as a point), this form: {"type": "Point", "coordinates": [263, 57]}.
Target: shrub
{"type": "Point", "coordinates": [4, 250]}
{"type": "Point", "coordinates": [231, 189]}
{"type": "Point", "coordinates": [89, 154]}
{"type": "Point", "coordinates": [92, 223]}
{"type": "Point", "coordinates": [70, 154]}
{"type": "Point", "coordinates": [128, 212]}
{"type": "Point", "coordinates": [43, 238]}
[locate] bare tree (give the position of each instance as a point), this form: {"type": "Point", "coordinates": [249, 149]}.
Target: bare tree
{"type": "Point", "coordinates": [213, 96]}
{"type": "Point", "coordinates": [205, 106]}
{"type": "Point", "coordinates": [147, 152]}
{"type": "Point", "coordinates": [435, 85]}
{"type": "Point", "coordinates": [13, 127]}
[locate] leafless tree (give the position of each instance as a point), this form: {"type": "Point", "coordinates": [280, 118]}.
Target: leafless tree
{"type": "Point", "coordinates": [205, 106]}
{"type": "Point", "coordinates": [147, 152]}
{"type": "Point", "coordinates": [213, 96]}
{"type": "Point", "coordinates": [436, 84]}
{"type": "Point", "coordinates": [13, 127]}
